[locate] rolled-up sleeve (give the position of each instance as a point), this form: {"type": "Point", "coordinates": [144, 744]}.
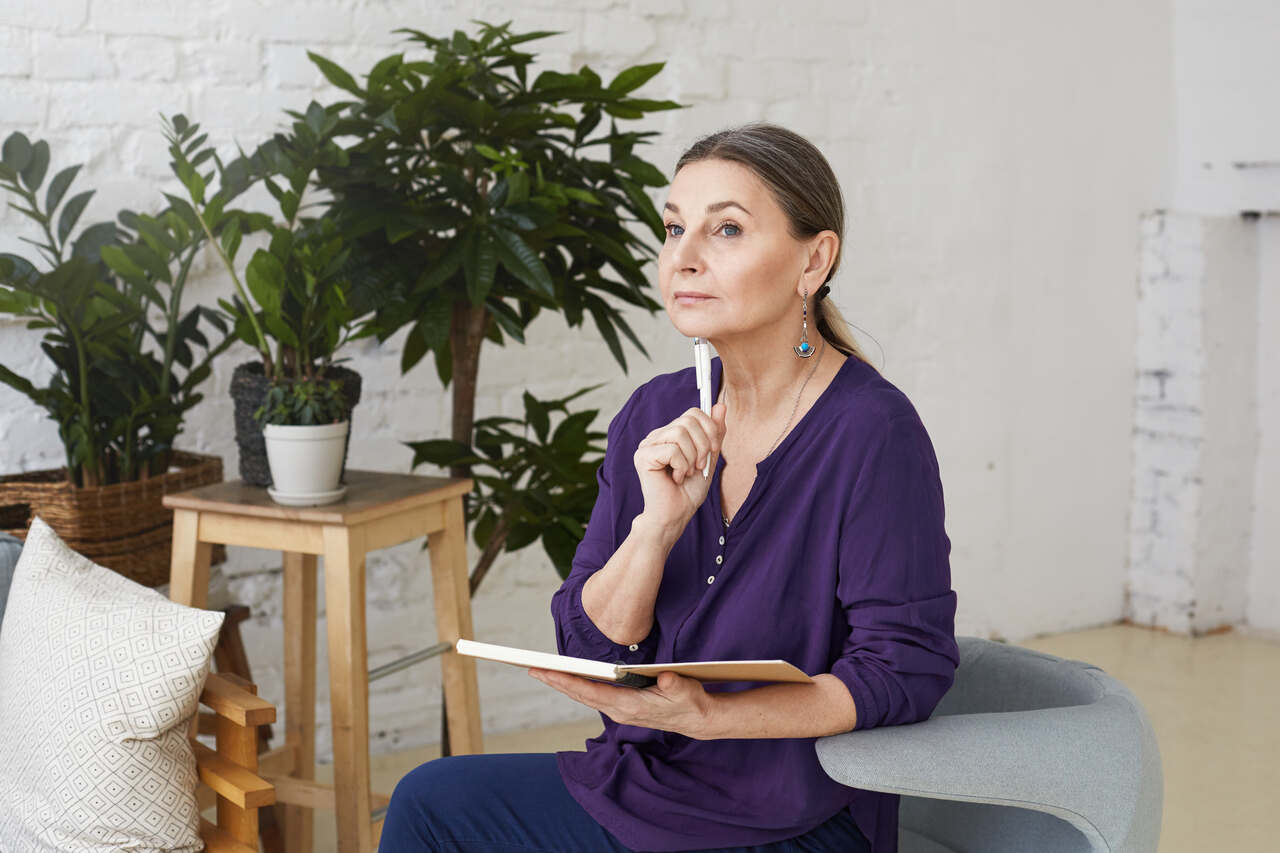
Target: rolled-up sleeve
{"type": "Point", "coordinates": [576, 634]}
{"type": "Point", "coordinates": [894, 582]}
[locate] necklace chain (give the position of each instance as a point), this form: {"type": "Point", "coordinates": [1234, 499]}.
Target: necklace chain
{"type": "Point", "coordinates": [812, 370]}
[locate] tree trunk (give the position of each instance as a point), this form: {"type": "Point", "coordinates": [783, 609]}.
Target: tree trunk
{"type": "Point", "coordinates": [467, 328]}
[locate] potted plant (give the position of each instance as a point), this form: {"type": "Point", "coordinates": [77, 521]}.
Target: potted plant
{"type": "Point", "coordinates": [128, 361]}
{"type": "Point", "coordinates": [305, 424]}
{"type": "Point", "coordinates": [295, 304]}
{"type": "Point", "coordinates": [473, 200]}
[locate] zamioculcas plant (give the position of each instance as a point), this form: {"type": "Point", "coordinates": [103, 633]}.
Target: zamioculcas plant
{"type": "Point", "coordinates": [293, 301]}
{"type": "Point", "coordinates": [128, 358]}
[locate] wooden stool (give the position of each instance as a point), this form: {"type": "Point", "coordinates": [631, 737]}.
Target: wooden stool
{"type": "Point", "coordinates": [378, 511]}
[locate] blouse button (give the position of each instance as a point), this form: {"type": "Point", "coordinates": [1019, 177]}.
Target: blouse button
{"type": "Point", "coordinates": [633, 646]}
{"type": "Point", "coordinates": [711, 579]}
{"type": "Point", "coordinates": [721, 540]}
{"type": "Point", "coordinates": [719, 559]}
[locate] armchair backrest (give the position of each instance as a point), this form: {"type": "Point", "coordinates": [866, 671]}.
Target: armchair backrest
{"type": "Point", "coordinates": [998, 678]}
{"type": "Point", "coordinates": [1026, 751]}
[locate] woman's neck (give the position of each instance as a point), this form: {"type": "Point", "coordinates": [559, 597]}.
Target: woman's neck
{"type": "Point", "coordinates": [757, 385]}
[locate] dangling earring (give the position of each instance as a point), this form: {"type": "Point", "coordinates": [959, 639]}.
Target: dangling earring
{"type": "Point", "coordinates": [803, 349]}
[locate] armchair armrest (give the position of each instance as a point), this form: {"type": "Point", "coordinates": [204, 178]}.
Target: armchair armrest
{"type": "Point", "coordinates": [1047, 759]}
{"type": "Point", "coordinates": [231, 769]}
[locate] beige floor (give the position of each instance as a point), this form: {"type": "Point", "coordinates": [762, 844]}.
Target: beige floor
{"type": "Point", "coordinates": [1214, 702]}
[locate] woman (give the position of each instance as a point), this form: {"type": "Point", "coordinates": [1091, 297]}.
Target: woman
{"type": "Point", "coordinates": [818, 539]}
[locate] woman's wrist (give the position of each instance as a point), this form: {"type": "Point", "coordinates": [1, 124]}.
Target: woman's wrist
{"type": "Point", "coordinates": [656, 532]}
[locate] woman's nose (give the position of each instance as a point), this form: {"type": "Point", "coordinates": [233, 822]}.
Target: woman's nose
{"type": "Point", "coordinates": [687, 254]}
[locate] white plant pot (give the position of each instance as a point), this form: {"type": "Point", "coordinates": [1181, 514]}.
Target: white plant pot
{"type": "Point", "coordinates": [306, 463]}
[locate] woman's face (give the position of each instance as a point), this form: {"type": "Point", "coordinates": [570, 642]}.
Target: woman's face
{"type": "Point", "coordinates": [727, 238]}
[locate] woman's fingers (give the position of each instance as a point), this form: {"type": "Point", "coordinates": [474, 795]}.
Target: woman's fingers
{"type": "Point", "coordinates": [706, 434]}
{"type": "Point", "coordinates": [674, 446]}
{"type": "Point", "coordinates": [685, 444]}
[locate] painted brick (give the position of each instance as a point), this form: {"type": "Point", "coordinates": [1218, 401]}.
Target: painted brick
{"type": "Point", "coordinates": [44, 14]}
{"type": "Point", "coordinates": [143, 58]}
{"type": "Point", "coordinates": [15, 52]}
{"type": "Point", "coordinates": [1191, 491]}
{"type": "Point", "coordinates": [64, 57]}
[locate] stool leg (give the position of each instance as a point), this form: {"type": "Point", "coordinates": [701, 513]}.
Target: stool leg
{"type": "Point", "coordinates": [344, 578]}
{"type": "Point", "coordinates": [189, 561]}
{"type": "Point", "coordinates": [300, 689]}
{"type": "Point", "coordinates": [451, 586]}
{"type": "Point", "coordinates": [189, 571]}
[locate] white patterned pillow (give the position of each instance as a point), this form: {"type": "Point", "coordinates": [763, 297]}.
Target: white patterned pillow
{"type": "Point", "coordinates": [99, 677]}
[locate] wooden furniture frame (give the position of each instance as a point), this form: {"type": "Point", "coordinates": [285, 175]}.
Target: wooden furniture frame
{"type": "Point", "coordinates": [229, 772]}
{"type": "Point", "coordinates": [379, 510]}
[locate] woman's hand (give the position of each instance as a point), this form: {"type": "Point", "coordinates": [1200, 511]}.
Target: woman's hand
{"type": "Point", "coordinates": [675, 704]}
{"type": "Point", "coordinates": [670, 460]}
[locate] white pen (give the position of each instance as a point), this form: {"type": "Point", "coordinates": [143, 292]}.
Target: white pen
{"type": "Point", "coordinates": [702, 370]}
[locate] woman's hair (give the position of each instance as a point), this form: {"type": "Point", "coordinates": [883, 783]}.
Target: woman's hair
{"type": "Point", "coordinates": [805, 187]}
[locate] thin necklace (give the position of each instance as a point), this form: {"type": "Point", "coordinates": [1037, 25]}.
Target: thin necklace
{"type": "Point", "coordinates": [812, 370]}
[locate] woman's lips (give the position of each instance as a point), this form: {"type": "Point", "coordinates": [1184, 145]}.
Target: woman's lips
{"type": "Point", "coordinates": [692, 300]}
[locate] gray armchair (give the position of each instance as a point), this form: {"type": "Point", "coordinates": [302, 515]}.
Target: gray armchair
{"type": "Point", "coordinates": [1027, 751]}
{"type": "Point", "coordinates": [10, 548]}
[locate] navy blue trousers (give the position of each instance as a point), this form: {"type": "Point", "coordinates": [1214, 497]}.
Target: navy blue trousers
{"type": "Point", "coordinates": [511, 802]}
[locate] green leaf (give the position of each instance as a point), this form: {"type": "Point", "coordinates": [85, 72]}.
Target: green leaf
{"type": "Point", "coordinates": [265, 279]}
{"type": "Point", "coordinates": [523, 263]}
{"type": "Point", "coordinates": [415, 347]}
{"type": "Point", "coordinates": [634, 77]}
{"type": "Point", "coordinates": [610, 335]}
{"type": "Point", "coordinates": [120, 263]}
{"type": "Point", "coordinates": [486, 264]}
{"type": "Point", "coordinates": [71, 214]}
{"type": "Point", "coordinates": [149, 260]}
{"type": "Point", "coordinates": [590, 118]}
{"type": "Point", "coordinates": [279, 329]}
{"type": "Point", "coordinates": [437, 451]}
{"type": "Point", "coordinates": [18, 383]}
{"type": "Point", "coordinates": [536, 414]}
{"type": "Point", "coordinates": [231, 238]}
{"type": "Point", "coordinates": [160, 238]}
{"type": "Point", "coordinates": [16, 151]}
{"type": "Point", "coordinates": [645, 173]}
{"type": "Point", "coordinates": [33, 174]}
{"type": "Point", "coordinates": [335, 74]}
{"type": "Point", "coordinates": [517, 188]}
{"type": "Point", "coordinates": [91, 241]}
{"type": "Point", "coordinates": [58, 187]}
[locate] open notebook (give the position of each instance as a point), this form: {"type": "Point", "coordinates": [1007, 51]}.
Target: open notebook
{"type": "Point", "coordinates": [636, 675]}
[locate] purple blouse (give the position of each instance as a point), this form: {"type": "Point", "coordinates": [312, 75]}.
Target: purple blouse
{"type": "Point", "coordinates": [836, 562]}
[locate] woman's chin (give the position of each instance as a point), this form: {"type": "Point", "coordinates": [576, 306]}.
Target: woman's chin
{"type": "Point", "coordinates": [693, 330]}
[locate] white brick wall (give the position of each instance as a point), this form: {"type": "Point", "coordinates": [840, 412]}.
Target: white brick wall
{"type": "Point", "coordinates": [1194, 437]}
{"type": "Point", "coordinates": [989, 237]}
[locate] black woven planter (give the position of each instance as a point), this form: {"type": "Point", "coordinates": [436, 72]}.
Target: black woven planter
{"type": "Point", "coordinates": [248, 390]}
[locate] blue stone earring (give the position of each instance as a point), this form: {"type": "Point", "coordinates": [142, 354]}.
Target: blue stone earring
{"type": "Point", "coordinates": [803, 349]}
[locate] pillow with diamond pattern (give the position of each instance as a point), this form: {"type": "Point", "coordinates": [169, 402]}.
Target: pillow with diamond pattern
{"type": "Point", "coordinates": [99, 678]}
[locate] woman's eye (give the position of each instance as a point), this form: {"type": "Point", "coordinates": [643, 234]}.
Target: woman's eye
{"type": "Point", "coordinates": [670, 225]}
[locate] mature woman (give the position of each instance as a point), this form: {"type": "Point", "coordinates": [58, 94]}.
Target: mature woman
{"type": "Point", "coordinates": [817, 538]}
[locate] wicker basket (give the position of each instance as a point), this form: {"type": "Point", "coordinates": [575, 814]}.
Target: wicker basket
{"type": "Point", "coordinates": [122, 526]}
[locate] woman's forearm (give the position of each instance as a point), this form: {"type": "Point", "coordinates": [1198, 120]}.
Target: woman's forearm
{"type": "Point", "coordinates": [821, 708]}
{"type": "Point", "coordinates": [619, 598]}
